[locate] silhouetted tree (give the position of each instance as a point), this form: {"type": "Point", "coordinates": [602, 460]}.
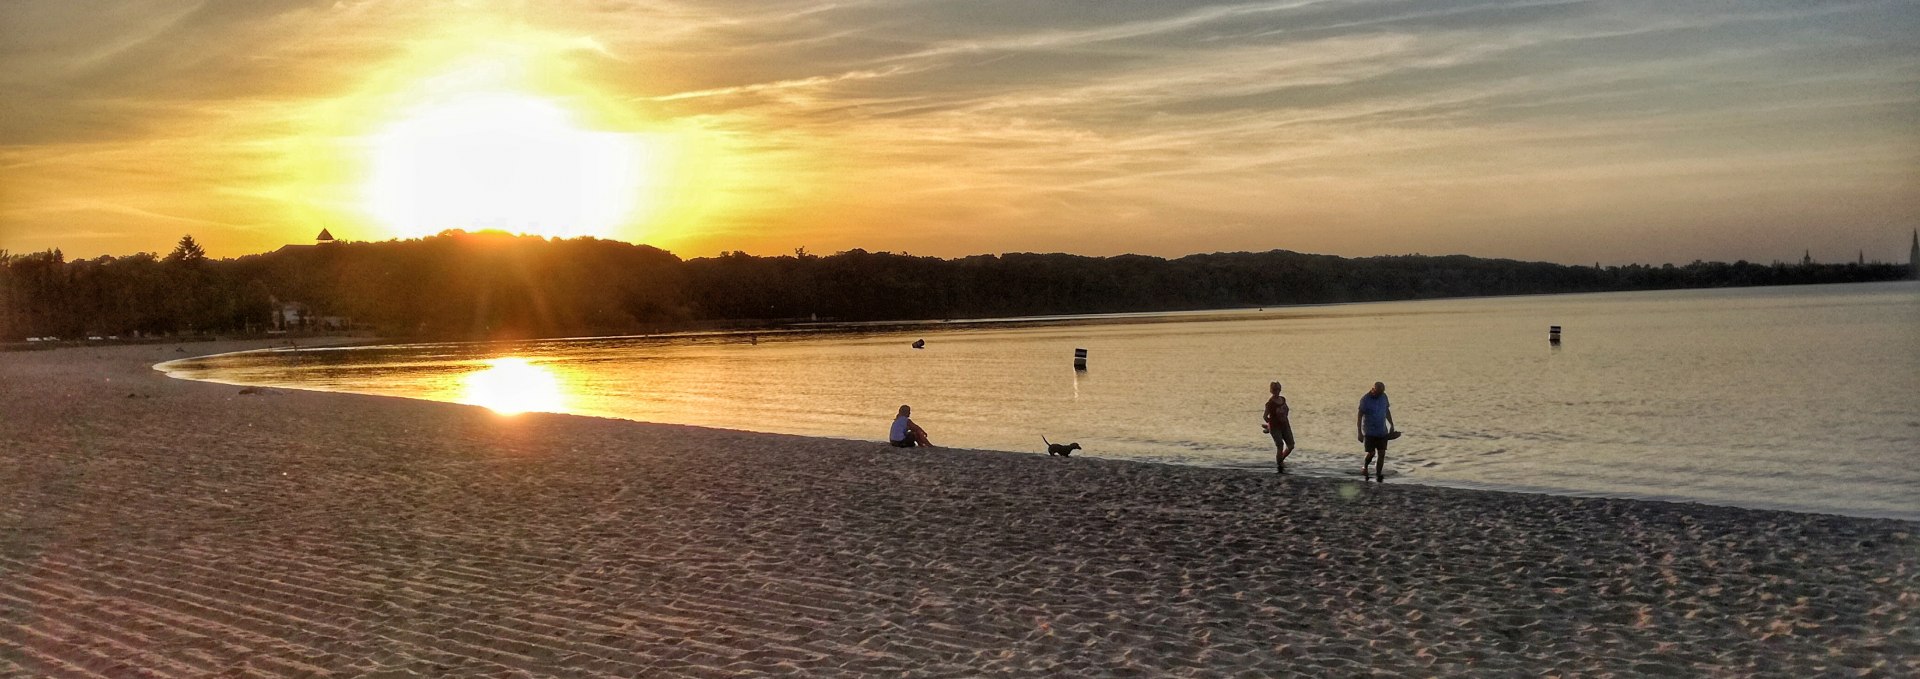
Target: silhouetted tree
{"type": "Point", "coordinates": [495, 285]}
{"type": "Point", "coordinates": [187, 252]}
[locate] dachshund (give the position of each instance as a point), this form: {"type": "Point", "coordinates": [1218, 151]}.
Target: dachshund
{"type": "Point", "coordinates": [1060, 449]}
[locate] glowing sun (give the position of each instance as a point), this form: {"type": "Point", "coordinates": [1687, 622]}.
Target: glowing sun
{"type": "Point", "coordinates": [513, 385]}
{"type": "Point", "coordinates": [503, 160]}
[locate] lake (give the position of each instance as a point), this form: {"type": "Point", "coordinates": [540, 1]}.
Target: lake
{"type": "Point", "coordinates": [1798, 398]}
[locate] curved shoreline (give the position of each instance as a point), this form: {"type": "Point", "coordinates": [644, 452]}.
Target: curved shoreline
{"type": "Point", "coordinates": [181, 528]}
{"type": "Point", "coordinates": [1404, 476]}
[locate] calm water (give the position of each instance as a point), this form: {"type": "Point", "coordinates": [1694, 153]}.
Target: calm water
{"type": "Point", "coordinates": [1798, 398]}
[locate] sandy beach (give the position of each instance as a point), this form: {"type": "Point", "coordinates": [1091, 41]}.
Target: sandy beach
{"type": "Point", "coordinates": [158, 527]}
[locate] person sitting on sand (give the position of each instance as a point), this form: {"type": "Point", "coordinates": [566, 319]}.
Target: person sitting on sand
{"type": "Point", "coordinates": [1277, 425]}
{"type": "Point", "coordinates": [906, 434]}
{"type": "Point", "coordinates": [1375, 423]}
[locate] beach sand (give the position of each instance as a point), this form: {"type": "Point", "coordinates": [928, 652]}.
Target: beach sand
{"type": "Point", "coordinates": [159, 527]}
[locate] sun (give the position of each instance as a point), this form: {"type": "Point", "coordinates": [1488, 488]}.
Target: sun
{"type": "Point", "coordinates": [513, 385]}
{"type": "Point", "coordinates": [504, 160]}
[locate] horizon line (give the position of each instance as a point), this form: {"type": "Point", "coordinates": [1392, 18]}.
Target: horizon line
{"type": "Point", "coordinates": [800, 251]}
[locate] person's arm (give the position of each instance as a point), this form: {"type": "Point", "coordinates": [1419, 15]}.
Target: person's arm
{"type": "Point", "coordinates": [1390, 426]}
{"type": "Point", "coordinates": [1360, 424]}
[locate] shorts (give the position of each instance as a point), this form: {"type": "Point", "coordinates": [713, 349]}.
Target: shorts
{"type": "Point", "coordinates": [1283, 434]}
{"type": "Point", "coordinates": [904, 443]}
{"type": "Point", "coordinates": [1378, 443]}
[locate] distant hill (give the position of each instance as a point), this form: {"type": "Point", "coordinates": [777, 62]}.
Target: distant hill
{"type": "Point", "coordinates": [493, 285]}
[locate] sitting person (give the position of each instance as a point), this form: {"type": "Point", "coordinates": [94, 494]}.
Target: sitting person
{"type": "Point", "coordinates": [906, 434]}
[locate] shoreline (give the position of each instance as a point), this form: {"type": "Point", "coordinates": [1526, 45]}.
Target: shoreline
{"type": "Point", "coordinates": [1255, 466]}
{"type": "Point", "coordinates": [182, 528]}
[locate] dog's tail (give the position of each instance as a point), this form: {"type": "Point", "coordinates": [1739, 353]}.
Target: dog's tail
{"type": "Point", "coordinates": [1043, 439]}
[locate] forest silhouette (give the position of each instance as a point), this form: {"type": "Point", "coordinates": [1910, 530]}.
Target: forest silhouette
{"type": "Point", "coordinates": [491, 285]}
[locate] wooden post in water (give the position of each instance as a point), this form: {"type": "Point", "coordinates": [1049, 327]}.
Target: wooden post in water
{"type": "Point", "coordinates": [1553, 334]}
{"type": "Point", "coordinates": [1079, 359]}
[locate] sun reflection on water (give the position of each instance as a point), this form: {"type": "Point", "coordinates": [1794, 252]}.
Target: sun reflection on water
{"type": "Point", "coordinates": [511, 386]}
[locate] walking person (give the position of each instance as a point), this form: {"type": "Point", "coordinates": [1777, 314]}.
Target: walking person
{"type": "Point", "coordinates": [1375, 424]}
{"type": "Point", "coordinates": [1276, 423]}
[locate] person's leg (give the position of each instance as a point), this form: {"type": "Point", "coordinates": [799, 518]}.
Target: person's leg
{"type": "Point", "coordinates": [920, 437]}
{"type": "Point", "coordinates": [1283, 446]}
{"type": "Point", "coordinates": [1380, 466]}
{"type": "Point", "coordinates": [1366, 466]}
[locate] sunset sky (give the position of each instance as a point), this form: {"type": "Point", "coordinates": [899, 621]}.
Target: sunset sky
{"type": "Point", "coordinates": [1560, 130]}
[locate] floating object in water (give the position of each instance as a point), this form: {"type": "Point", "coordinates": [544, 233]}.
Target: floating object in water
{"type": "Point", "coordinates": [1079, 359]}
{"type": "Point", "coordinates": [919, 344]}
{"type": "Point", "coordinates": [1553, 334]}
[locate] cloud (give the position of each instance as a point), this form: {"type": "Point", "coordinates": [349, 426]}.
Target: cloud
{"type": "Point", "coordinates": [961, 125]}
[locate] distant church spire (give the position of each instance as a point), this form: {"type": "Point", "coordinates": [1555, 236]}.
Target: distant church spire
{"type": "Point", "coordinates": [1913, 256]}
{"type": "Point", "coordinates": [324, 237]}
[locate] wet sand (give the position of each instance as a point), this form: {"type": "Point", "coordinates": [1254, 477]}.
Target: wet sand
{"type": "Point", "coordinates": [158, 527]}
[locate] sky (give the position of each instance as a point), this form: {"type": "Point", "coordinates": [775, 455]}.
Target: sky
{"type": "Point", "coordinates": [1568, 131]}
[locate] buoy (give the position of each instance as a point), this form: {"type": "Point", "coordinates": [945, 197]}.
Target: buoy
{"type": "Point", "coordinates": [1079, 359]}
{"type": "Point", "coordinates": [919, 344]}
{"type": "Point", "coordinates": [1553, 334]}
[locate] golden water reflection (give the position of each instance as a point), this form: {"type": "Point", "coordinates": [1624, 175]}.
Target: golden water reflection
{"type": "Point", "coordinates": [513, 385]}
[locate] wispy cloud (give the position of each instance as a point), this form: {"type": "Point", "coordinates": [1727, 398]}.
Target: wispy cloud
{"type": "Point", "coordinates": [1664, 130]}
{"type": "Point", "coordinates": [812, 82]}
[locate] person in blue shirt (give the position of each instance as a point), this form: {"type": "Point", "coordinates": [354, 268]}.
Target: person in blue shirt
{"type": "Point", "coordinates": [1375, 423]}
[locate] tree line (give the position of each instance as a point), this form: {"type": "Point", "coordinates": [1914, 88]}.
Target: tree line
{"type": "Point", "coordinates": [496, 285]}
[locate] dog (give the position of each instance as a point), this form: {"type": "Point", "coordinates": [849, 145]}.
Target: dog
{"type": "Point", "coordinates": [1060, 449]}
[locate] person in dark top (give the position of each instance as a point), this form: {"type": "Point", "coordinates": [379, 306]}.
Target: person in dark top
{"type": "Point", "coordinates": [1375, 423]}
{"type": "Point", "coordinates": [1277, 425]}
